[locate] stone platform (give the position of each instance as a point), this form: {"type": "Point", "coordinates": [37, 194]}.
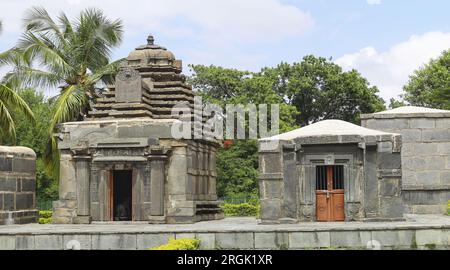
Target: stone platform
{"type": "Point", "coordinates": [417, 232]}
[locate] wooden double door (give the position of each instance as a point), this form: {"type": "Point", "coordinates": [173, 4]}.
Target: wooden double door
{"type": "Point", "coordinates": [330, 193]}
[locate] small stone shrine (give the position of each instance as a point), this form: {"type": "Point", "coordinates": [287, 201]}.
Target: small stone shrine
{"type": "Point", "coordinates": [17, 185]}
{"type": "Point", "coordinates": [330, 171]}
{"type": "Point", "coordinates": [122, 162]}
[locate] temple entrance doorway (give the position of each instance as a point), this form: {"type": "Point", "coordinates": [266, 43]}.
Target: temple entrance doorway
{"type": "Point", "coordinates": [122, 195]}
{"type": "Point", "coordinates": [330, 193]}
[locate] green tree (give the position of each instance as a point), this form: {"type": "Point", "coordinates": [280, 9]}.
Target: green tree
{"type": "Point", "coordinates": [429, 86]}
{"type": "Point", "coordinates": [9, 101]}
{"type": "Point", "coordinates": [35, 136]}
{"type": "Point", "coordinates": [237, 169]}
{"type": "Point", "coordinates": [319, 89]}
{"type": "Point", "coordinates": [73, 56]}
{"type": "Point", "coordinates": [223, 86]}
{"type": "Point", "coordinates": [307, 92]}
{"type": "Point", "coordinates": [237, 164]}
{"type": "Point", "coordinates": [394, 103]}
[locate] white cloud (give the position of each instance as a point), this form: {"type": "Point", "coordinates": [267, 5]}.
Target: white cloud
{"type": "Point", "coordinates": [214, 21]}
{"type": "Point", "coordinates": [373, 2]}
{"type": "Point", "coordinates": [390, 70]}
{"type": "Point", "coordinates": [205, 32]}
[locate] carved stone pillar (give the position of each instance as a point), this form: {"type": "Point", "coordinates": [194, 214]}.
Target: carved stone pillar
{"type": "Point", "coordinates": [82, 165]}
{"type": "Point", "coordinates": [157, 159]}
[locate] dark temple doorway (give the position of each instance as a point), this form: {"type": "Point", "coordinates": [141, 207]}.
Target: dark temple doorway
{"type": "Point", "coordinates": [122, 195]}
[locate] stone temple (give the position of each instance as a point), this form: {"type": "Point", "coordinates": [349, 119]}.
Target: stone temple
{"type": "Point", "coordinates": [123, 164]}
{"type": "Point", "coordinates": [17, 185]}
{"type": "Point", "coordinates": [330, 171]}
{"type": "Point", "coordinates": [425, 154]}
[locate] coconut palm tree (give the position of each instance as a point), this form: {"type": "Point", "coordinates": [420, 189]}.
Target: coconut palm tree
{"type": "Point", "coordinates": [72, 56]}
{"type": "Point", "coordinates": [10, 101]}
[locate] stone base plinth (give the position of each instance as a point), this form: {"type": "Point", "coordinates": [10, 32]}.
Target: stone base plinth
{"type": "Point", "coordinates": [18, 217]}
{"type": "Point", "coordinates": [418, 232]}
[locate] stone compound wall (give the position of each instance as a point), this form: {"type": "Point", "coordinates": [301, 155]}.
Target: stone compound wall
{"type": "Point", "coordinates": [425, 157]}
{"type": "Point", "coordinates": [17, 185]}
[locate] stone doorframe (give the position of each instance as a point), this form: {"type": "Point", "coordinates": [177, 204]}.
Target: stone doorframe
{"type": "Point", "coordinates": [311, 156]}
{"type": "Point", "coordinates": [93, 185]}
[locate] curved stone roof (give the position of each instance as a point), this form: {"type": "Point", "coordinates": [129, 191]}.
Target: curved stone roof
{"type": "Point", "coordinates": [408, 111]}
{"type": "Point", "coordinates": [413, 109]}
{"type": "Point", "coordinates": [150, 51]}
{"type": "Point", "coordinates": [17, 150]}
{"type": "Point", "coordinates": [328, 128]}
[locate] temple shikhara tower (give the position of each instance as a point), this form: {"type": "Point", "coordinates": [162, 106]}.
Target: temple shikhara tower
{"type": "Point", "coordinates": [122, 162]}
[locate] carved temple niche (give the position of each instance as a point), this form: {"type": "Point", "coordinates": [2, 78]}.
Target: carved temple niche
{"type": "Point", "coordinates": [128, 85]}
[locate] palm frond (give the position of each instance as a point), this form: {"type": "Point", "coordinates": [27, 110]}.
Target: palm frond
{"type": "Point", "coordinates": [66, 26]}
{"type": "Point", "coordinates": [105, 73]}
{"type": "Point", "coordinates": [6, 123]}
{"type": "Point", "coordinates": [12, 100]}
{"type": "Point", "coordinates": [12, 57]}
{"type": "Point", "coordinates": [68, 105]}
{"type": "Point", "coordinates": [30, 77]}
{"type": "Point", "coordinates": [41, 48]}
{"type": "Point", "coordinates": [37, 19]}
{"type": "Point", "coordinates": [51, 156]}
{"type": "Point", "coordinates": [98, 35]}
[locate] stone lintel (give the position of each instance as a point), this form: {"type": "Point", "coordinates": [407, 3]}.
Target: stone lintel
{"type": "Point", "coordinates": [82, 157]}
{"type": "Point", "coordinates": [119, 159]}
{"type": "Point", "coordinates": [271, 176]}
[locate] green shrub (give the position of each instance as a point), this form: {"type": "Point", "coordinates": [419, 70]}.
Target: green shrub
{"type": "Point", "coordinates": [179, 244]}
{"type": "Point", "coordinates": [448, 208]}
{"type": "Point", "coordinates": [45, 217]}
{"type": "Point", "coordinates": [238, 198]}
{"type": "Point", "coordinates": [45, 220]}
{"type": "Point", "coordinates": [240, 210]}
{"type": "Point", "coordinates": [45, 214]}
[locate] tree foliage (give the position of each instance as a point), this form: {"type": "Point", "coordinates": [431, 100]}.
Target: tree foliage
{"type": "Point", "coordinates": [306, 92]}
{"type": "Point", "coordinates": [237, 164]}
{"type": "Point", "coordinates": [9, 101]}
{"type": "Point", "coordinates": [35, 136]}
{"type": "Point", "coordinates": [394, 103]}
{"type": "Point", "coordinates": [73, 56]}
{"type": "Point", "coordinates": [429, 86]}
{"type": "Point", "coordinates": [319, 90]}
{"type": "Point", "coordinates": [237, 169]}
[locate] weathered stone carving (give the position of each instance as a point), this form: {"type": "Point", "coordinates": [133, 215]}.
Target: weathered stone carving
{"type": "Point", "coordinates": [128, 85]}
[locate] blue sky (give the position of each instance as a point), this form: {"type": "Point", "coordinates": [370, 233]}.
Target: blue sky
{"type": "Point", "coordinates": [384, 39]}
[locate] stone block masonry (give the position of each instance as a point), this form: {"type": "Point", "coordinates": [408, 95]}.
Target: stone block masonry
{"type": "Point", "coordinates": [418, 232]}
{"type": "Point", "coordinates": [330, 171]}
{"type": "Point", "coordinates": [17, 185]}
{"type": "Point", "coordinates": [425, 154]}
{"type": "Point", "coordinates": [123, 163]}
